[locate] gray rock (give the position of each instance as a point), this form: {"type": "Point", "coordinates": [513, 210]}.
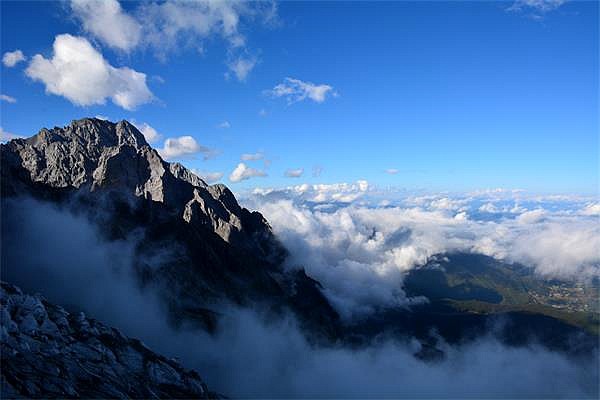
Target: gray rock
{"type": "Point", "coordinates": [58, 360]}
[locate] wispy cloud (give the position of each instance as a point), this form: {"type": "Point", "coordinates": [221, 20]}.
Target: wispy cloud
{"type": "Point", "coordinates": [295, 90]}
{"type": "Point", "coordinates": [294, 172]}
{"type": "Point", "coordinates": [168, 27]}
{"type": "Point", "coordinates": [7, 136]}
{"type": "Point", "coordinates": [7, 98]}
{"type": "Point", "coordinates": [252, 156]}
{"type": "Point", "coordinates": [108, 22]}
{"type": "Point", "coordinates": [208, 177]}
{"type": "Point", "coordinates": [224, 125]}
{"type": "Point", "coordinates": [535, 8]}
{"type": "Point", "coordinates": [241, 67]}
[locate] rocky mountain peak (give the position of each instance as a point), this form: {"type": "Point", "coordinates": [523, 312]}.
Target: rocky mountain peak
{"type": "Point", "coordinates": [91, 155]}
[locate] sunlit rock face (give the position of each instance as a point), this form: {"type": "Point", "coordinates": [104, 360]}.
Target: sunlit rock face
{"type": "Point", "coordinates": [95, 155]}
{"type": "Point", "coordinates": [48, 352]}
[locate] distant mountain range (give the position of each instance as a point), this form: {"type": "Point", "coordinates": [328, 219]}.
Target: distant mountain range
{"type": "Point", "coordinates": [199, 249]}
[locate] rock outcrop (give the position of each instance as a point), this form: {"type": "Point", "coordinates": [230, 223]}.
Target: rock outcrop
{"type": "Point", "coordinates": [50, 353]}
{"type": "Point", "coordinates": [93, 155]}
{"type": "Point", "coordinates": [193, 242]}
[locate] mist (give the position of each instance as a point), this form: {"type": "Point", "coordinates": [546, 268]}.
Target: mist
{"type": "Point", "coordinates": [62, 256]}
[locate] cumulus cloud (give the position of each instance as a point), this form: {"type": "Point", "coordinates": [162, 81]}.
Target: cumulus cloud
{"type": "Point", "coordinates": [184, 147]}
{"type": "Point", "coordinates": [107, 21]}
{"type": "Point", "coordinates": [252, 156]}
{"type": "Point", "coordinates": [150, 134]}
{"type": "Point", "coordinates": [80, 73]}
{"type": "Point", "coordinates": [224, 125]}
{"type": "Point", "coordinates": [294, 172]}
{"type": "Point", "coordinates": [12, 58]}
{"type": "Point", "coordinates": [208, 177]}
{"type": "Point", "coordinates": [295, 90]}
{"type": "Point", "coordinates": [243, 172]}
{"type": "Point", "coordinates": [7, 98]}
{"type": "Point", "coordinates": [392, 171]}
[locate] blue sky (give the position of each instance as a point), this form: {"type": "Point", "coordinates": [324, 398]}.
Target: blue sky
{"type": "Point", "coordinates": [448, 95]}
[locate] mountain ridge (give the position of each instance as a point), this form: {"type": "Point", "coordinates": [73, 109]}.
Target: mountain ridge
{"type": "Point", "coordinates": [109, 173]}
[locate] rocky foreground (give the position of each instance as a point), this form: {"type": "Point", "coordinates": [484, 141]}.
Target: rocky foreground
{"type": "Point", "coordinates": [48, 352]}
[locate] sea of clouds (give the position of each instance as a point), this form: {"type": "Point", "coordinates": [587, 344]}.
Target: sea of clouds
{"type": "Point", "coordinates": [356, 250]}
{"type": "Point", "coordinates": [359, 241]}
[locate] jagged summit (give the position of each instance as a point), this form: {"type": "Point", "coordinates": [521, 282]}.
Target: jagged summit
{"type": "Point", "coordinates": [95, 155]}
{"type": "Point", "coordinates": [98, 154]}
{"type": "Point", "coordinates": [193, 240]}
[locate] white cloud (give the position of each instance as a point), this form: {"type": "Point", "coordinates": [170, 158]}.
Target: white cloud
{"type": "Point", "coordinates": [252, 156]}
{"type": "Point", "coordinates": [183, 147]}
{"type": "Point", "coordinates": [489, 208]}
{"type": "Point", "coordinates": [294, 173]}
{"type": "Point", "coordinates": [341, 193]}
{"type": "Point", "coordinates": [150, 134]}
{"type": "Point", "coordinates": [295, 90]}
{"type": "Point", "coordinates": [79, 73]}
{"type": "Point", "coordinates": [208, 177]}
{"type": "Point", "coordinates": [535, 9]}
{"type": "Point", "coordinates": [262, 112]}
{"type": "Point", "coordinates": [7, 136]}
{"type": "Point", "coordinates": [242, 66]}
{"type": "Point", "coordinates": [107, 21]}
{"type": "Point", "coordinates": [168, 24]}
{"type": "Point", "coordinates": [392, 171]}
{"type": "Point", "coordinates": [531, 217]}
{"type": "Point", "coordinates": [12, 58]}
{"type": "Point", "coordinates": [360, 253]}
{"type": "Point", "coordinates": [105, 118]}
{"type": "Point", "coordinates": [7, 98]}
{"type": "Point", "coordinates": [446, 203]}
{"type": "Point", "coordinates": [591, 209]}
{"type": "Point", "coordinates": [243, 172]}
{"type": "Point", "coordinates": [224, 125]}
{"type": "Point", "coordinates": [540, 6]}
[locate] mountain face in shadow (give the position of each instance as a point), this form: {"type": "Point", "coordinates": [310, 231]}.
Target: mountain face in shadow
{"type": "Point", "coordinates": [194, 243]}
{"type": "Point", "coordinates": [48, 352]}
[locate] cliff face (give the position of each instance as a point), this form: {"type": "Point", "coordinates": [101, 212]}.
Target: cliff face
{"type": "Point", "coordinates": [92, 155]}
{"type": "Point", "coordinates": [195, 245]}
{"type": "Point", "coordinates": [48, 352]}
